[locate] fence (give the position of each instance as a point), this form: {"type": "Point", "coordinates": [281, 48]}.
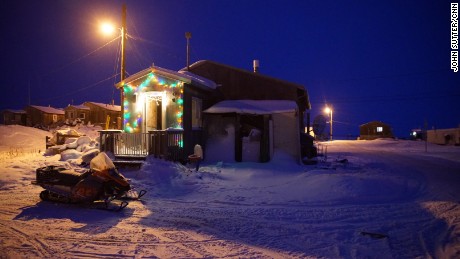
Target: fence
{"type": "Point", "coordinates": [166, 144]}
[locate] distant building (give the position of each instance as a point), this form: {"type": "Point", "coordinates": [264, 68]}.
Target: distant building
{"type": "Point", "coordinates": [444, 136]}
{"type": "Point", "coordinates": [101, 112]}
{"type": "Point", "coordinates": [77, 113]}
{"type": "Point", "coordinates": [417, 134]}
{"type": "Point", "coordinates": [43, 116]}
{"type": "Point", "coordinates": [374, 130]}
{"type": "Point", "coordinates": [11, 117]}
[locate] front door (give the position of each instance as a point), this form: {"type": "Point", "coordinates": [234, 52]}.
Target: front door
{"type": "Point", "coordinates": [153, 110]}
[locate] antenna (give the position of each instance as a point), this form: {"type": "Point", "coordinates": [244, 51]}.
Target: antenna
{"type": "Point", "coordinates": [188, 36]}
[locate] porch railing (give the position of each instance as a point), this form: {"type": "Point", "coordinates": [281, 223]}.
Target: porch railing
{"type": "Point", "coordinates": [167, 144]}
{"type": "Point", "coordinates": [133, 144]}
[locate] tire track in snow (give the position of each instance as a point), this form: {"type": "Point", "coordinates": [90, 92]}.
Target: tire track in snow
{"type": "Point", "coordinates": [29, 243]}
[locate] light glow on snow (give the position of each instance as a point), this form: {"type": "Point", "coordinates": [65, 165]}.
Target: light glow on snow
{"type": "Point", "coordinates": [276, 210]}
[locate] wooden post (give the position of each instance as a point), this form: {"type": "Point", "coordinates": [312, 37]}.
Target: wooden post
{"type": "Point", "coordinates": [265, 140]}
{"type": "Point", "coordinates": [238, 143]}
{"type": "Point", "coordinates": [123, 60]}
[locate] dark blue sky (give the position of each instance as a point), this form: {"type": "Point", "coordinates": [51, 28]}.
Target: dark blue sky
{"type": "Point", "coordinates": [371, 60]}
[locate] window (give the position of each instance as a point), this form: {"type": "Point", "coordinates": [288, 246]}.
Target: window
{"type": "Point", "coordinates": [379, 129]}
{"type": "Point", "coordinates": [54, 117]}
{"type": "Point", "coordinates": [196, 112]}
{"type": "Point", "coordinates": [71, 115]}
{"type": "Point", "coordinates": [82, 115]}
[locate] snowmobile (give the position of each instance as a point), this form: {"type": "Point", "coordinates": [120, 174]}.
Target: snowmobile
{"type": "Point", "coordinates": [102, 182]}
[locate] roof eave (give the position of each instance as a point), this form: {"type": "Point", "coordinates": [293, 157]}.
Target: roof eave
{"type": "Point", "coordinates": [156, 70]}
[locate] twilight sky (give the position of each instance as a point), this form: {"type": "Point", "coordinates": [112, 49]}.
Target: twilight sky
{"type": "Point", "coordinates": [371, 60]}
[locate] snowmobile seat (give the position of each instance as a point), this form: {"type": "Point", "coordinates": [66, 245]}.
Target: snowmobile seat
{"type": "Point", "coordinates": [58, 175]}
{"type": "Point", "coordinates": [69, 178]}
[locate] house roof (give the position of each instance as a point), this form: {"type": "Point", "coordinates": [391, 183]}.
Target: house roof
{"type": "Point", "coordinates": [374, 123]}
{"type": "Point", "coordinates": [48, 109]}
{"type": "Point", "coordinates": [183, 76]}
{"type": "Point", "coordinates": [210, 63]}
{"type": "Point", "coordinates": [15, 111]}
{"type": "Point", "coordinates": [111, 107]}
{"type": "Point", "coordinates": [258, 107]}
{"type": "Point", "coordinates": [236, 84]}
{"type": "Point", "coordinates": [199, 80]}
{"type": "Point", "coordinates": [81, 106]}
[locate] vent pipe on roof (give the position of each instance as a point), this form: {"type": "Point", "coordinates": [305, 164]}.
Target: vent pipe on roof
{"type": "Point", "coordinates": [256, 65]}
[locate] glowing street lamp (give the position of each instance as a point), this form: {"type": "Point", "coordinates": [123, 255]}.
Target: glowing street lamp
{"type": "Point", "coordinates": [328, 110]}
{"type": "Point", "coordinates": [107, 28]}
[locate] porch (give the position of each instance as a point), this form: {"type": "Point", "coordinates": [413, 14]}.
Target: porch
{"type": "Point", "coordinates": [166, 144]}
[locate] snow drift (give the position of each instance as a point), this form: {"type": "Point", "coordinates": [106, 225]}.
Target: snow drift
{"type": "Point", "coordinates": [391, 199]}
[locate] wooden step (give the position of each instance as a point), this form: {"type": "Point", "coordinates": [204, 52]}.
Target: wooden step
{"type": "Point", "coordinates": [129, 161]}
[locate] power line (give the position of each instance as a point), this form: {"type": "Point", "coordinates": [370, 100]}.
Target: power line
{"type": "Point", "coordinates": [80, 58]}
{"type": "Point", "coordinates": [79, 90]}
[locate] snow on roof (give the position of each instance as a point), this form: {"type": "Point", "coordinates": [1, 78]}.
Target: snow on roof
{"type": "Point", "coordinates": [81, 106]}
{"type": "Point", "coordinates": [374, 122]}
{"type": "Point", "coordinates": [253, 107]}
{"type": "Point", "coordinates": [184, 76]}
{"type": "Point", "coordinates": [48, 109]}
{"type": "Point", "coordinates": [16, 111]}
{"type": "Point", "coordinates": [199, 79]}
{"type": "Point", "coordinates": [111, 107]}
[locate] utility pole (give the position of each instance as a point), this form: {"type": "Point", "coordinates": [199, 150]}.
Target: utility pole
{"type": "Point", "coordinates": [29, 91]}
{"type": "Point", "coordinates": [122, 73]}
{"type": "Point", "coordinates": [188, 36]}
{"type": "Point", "coordinates": [426, 136]}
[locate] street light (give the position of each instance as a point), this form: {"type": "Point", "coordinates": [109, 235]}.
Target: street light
{"type": "Point", "coordinates": [328, 110]}
{"type": "Point", "coordinates": [107, 29]}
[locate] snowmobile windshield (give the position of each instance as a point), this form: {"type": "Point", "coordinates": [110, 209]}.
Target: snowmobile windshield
{"type": "Point", "coordinates": [101, 162]}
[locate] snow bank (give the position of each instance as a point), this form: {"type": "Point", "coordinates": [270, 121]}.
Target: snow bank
{"type": "Point", "coordinates": [76, 150]}
{"type": "Point", "coordinates": [70, 154]}
{"type": "Point", "coordinates": [16, 136]}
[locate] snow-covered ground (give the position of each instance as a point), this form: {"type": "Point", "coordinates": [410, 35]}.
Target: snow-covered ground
{"type": "Point", "coordinates": [245, 210]}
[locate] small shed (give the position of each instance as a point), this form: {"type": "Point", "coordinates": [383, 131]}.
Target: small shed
{"type": "Point", "coordinates": [77, 112]}
{"type": "Point", "coordinates": [444, 136]}
{"type": "Point", "coordinates": [43, 116]}
{"type": "Point", "coordinates": [101, 113]}
{"type": "Point", "coordinates": [375, 130]}
{"type": "Point", "coordinates": [11, 117]}
{"type": "Point", "coordinates": [252, 130]}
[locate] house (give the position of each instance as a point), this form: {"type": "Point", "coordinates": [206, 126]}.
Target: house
{"type": "Point", "coordinates": [77, 113]}
{"type": "Point", "coordinates": [374, 130]}
{"type": "Point", "coordinates": [11, 117]}
{"type": "Point", "coordinates": [43, 116]}
{"type": "Point", "coordinates": [102, 114]}
{"type": "Point", "coordinates": [161, 114]}
{"type": "Point", "coordinates": [250, 102]}
{"type": "Point", "coordinates": [444, 136]}
{"type": "Point", "coordinates": [166, 113]}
